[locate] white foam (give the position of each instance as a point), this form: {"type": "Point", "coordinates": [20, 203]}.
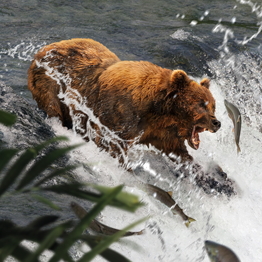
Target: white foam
{"type": "Point", "coordinates": [24, 50]}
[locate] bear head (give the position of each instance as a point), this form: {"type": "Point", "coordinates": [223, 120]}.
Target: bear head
{"type": "Point", "coordinates": [192, 105]}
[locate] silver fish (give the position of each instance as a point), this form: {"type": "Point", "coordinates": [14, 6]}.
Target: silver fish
{"type": "Point", "coordinates": [97, 226]}
{"type": "Point", "coordinates": [235, 115]}
{"type": "Point", "coordinates": [219, 253]}
{"type": "Point", "coordinates": [166, 199]}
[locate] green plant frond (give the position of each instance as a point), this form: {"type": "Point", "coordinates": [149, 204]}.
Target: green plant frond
{"type": "Point", "coordinates": [103, 245]}
{"type": "Point", "coordinates": [127, 198]}
{"type": "Point", "coordinates": [42, 221]}
{"type": "Point", "coordinates": [7, 118]}
{"type": "Point", "coordinates": [28, 232]}
{"type": "Point", "coordinates": [6, 155]}
{"type": "Point", "coordinates": [110, 255]}
{"type": "Point", "coordinates": [5, 226]}
{"type": "Point", "coordinates": [44, 230]}
{"type": "Point", "coordinates": [74, 190]}
{"type": "Point", "coordinates": [16, 169]}
{"type": "Point", "coordinates": [6, 250]}
{"type": "Point", "coordinates": [39, 166]}
{"type": "Point", "coordinates": [46, 201]}
{"type": "Point", "coordinates": [21, 253]}
{"type": "Point", "coordinates": [21, 162]}
{"type": "Point", "coordinates": [83, 224]}
{"type": "Point", "coordinates": [38, 148]}
{"type": "Point", "coordinates": [9, 242]}
{"type": "Point", "coordinates": [55, 173]}
{"type": "Point", "coordinates": [46, 243]}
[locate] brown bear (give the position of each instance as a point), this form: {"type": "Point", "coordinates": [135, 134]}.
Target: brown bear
{"type": "Point", "coordinates": [131, 98]}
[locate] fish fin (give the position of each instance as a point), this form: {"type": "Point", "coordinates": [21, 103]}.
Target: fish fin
{"type": "Point", "coordinates": [238, 149]}
{"type": "Point", "coordinates": [100, 227]}
{"type": "Point", "coordinates": [170, 193]}
{"type": "Point", "coordinates": [189, 220]}
{"type": "Point", "coordinates": [141, 232]}
{"type": "Point", "coordinates": [238, 119]}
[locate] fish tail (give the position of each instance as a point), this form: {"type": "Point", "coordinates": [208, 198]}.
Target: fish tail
{"type": "Point", "coordinates": [189, 220]}
{"type": "Point", "coordinates": [141, 232]}
{"type": "Point", "coordinates": [238, 148]}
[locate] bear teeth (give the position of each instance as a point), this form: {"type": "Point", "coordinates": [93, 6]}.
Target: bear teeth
{"type": "Point", "coordinates": [196, 141]}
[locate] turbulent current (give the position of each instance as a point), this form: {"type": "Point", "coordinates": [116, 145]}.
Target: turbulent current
{"type": "Point", "coordinates": [220, 41]}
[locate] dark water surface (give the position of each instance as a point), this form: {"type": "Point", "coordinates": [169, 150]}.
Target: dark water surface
{"type": "Point", "coordinates": [134, 30]}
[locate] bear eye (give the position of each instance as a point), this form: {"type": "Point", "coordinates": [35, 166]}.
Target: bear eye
{"type": "Point", "coordinates": [203, 104]}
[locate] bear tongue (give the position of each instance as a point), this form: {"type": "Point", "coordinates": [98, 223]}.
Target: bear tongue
{"type": "Point", "coordinates": [195, 137]}
{"type": "Point", "coordinates": [195, 140]}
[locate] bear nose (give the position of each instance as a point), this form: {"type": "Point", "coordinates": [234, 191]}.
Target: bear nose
{"type": "Point", "coordinates": [216, 124]}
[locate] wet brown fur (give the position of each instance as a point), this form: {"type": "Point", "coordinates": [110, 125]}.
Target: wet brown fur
{"type": "Point", "coordinates": [130, 97]}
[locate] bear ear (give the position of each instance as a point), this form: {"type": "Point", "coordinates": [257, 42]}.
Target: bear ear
{"type": "Point", "coordinates": [179, 79]}
{"type": "Point", "coordinates": [205, 83]}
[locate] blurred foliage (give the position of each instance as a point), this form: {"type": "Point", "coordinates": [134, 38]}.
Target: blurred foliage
{"type": "Point", "coordinates": [21, 173]}
{"type": "Point", "coordinates": [6, 118]}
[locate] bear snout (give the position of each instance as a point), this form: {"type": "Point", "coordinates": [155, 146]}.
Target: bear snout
{"type": "Point", "coordinates": [216, 124]}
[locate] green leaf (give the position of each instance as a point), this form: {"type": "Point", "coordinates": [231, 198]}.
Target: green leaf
{"type": "Point", "coordinates": [42, 221]}
{"type": "Point", "coordinates": [7, 249]}
{"type": "Point", "coordinates": [6, 225]}
{"type": "Point", "coordinates": [46, 201]}
{"type": "Point", "coordinates": [124, 197]}
{"type": "Point", "coordinates": [16, 169]}
{"type": "Point", "coordinates": [83, 224]}
{"type": "Point", "coordinates": [74, 190]}
{"type": "Point", "coordinates": [108, 254]}
{"type": "Point", "coordinates": [20, 253]}
{"type": "Point", "coordinates": [55, 173]}
{"type": "Point", "coordinates": [103, 245]}
{"type": "Point", "coordinates": [46, 243]}
{"type": "Point", "coordinates": [6, 118]}
{"type": "Point", "coordinates": [28, 233]}
{"type": "Point", "coordinates": [20, 164]}
{"type": "Point", "coordinates": [112, 255]}
{"type": "Point", "coordinates": [43, 163]}
{"type": "Point", "coordinates": [6, 155]}
{"type": "Point", "coordinates": [38, 148]}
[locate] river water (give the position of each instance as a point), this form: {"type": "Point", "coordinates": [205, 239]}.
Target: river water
{"type": "Point", "coordinates": [216, 39]}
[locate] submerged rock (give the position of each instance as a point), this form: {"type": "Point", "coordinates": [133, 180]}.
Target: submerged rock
{"type": "Point", "coordinates": [167, 174]}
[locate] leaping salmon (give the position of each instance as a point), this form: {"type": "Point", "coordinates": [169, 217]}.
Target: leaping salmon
{"type": "Point", "coordinates": [96, 225]}
{"type": "Point", "coordinates": [235, 115]}
{"type": "Point", "coordinates": [166, 199]}
{"type": "Point", "coordinates": [220, 253]}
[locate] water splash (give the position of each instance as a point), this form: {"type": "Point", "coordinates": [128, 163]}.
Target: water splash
{"type": "Point", "coordinates": [23, 51]}
{"type": "Point", "coordinates": [229, 34]}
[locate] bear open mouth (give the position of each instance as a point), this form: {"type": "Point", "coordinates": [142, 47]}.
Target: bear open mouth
{"type": "Point", "coordinates": [194, 140]}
